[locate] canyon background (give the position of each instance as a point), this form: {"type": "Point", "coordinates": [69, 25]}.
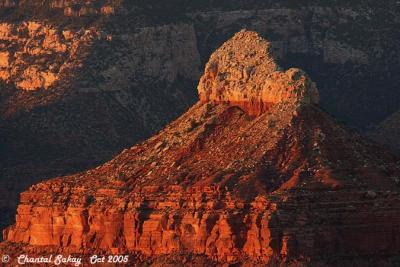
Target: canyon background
{"type": "Point", "coordinates": [81, 81]}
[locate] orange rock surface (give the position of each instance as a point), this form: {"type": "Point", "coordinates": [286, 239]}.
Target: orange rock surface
{"type": "Point", "coordinates": [288, 185]}
{"type": "Point", "coordinates": [31, 46]}
{"type": "Point", "coordinates": [243, 72]}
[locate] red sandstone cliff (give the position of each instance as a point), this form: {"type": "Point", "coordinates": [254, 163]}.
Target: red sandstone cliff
{"type": "Point", "coordinates": [228, 181]}
{"type": "Point", "coordinates": [81, 80]}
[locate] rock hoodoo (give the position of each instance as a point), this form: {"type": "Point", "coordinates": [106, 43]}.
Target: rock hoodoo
{"type": "Point", "coordinates": [243, 72]}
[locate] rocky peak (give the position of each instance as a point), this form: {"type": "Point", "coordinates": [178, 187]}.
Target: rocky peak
{"type": "Point", "coordinates": [243, 72]}
{"type": "Point", "coordinates": [219, 185]}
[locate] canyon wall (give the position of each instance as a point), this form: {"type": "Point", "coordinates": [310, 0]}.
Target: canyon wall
{"type": "Point", "coordinates": [73, 98]}
{"type": "Point", "coordinates": [290, 185]}
{"type": "Point", "coordinates": [355, 74]}
{"type": "Point", "coordinates": [83, 80]}
{"type": "Point", "coordinates": [69, 7]}
{"type": "Point", "coordinates": [206, 222]}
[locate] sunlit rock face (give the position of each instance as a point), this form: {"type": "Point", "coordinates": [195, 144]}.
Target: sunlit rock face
{"type": "Point", "coordinates": [72, 97]}
{"type": "Point", "coordinates": [288, 185]}
{"type": "Point", "coordinates": [71, 8]}
{"type": "Point", "coordinates": [135, 70]}
{"type": "Point", "coordinates": [243, 72]}
{"type": "Point", "coordinates": [34, 55]}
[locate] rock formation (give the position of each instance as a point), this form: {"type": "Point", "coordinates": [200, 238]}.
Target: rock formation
{"type": "Point", "coordinates": [28, 46]}
{"type": "Point", "coordinates": [67, 105]}
{"type": "Point", "coordinates": [73, 8]}
{"type": "Point", "coordinates": [81, 80]}
{"type": "Point", "coordinates": [243, 72]}
{"type": "Point", "coordinates": [286, 185]}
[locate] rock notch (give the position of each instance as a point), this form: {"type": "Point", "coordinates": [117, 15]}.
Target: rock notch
{"type": "Point", "coordinates": [243, 72]}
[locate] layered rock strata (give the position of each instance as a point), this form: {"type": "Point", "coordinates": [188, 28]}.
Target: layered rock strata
{"type": "Point", "coordinates": [134, 73]}
{"type": "Point", "coordinates": [64, 110]}
{"type": "Point", "coordinates": [290, 184]}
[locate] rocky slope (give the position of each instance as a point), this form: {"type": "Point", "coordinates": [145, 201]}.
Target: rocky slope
{"type": "Point", "coordinates": [71, 98]}
{"type": "Point", "coordinates": [286, 185]}
{"type": "Point", "coordinates": [85, 79]}
{"type": "Point", "coordinates": [388, 132]}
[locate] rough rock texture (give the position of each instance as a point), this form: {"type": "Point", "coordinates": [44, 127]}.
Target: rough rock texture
{"type": "Point", "coordinates": [388, 132]}
{"type": "Point", "coordinates": [73, 8]}
{"type": "Point", "coordinates": [340, 45]}
{"type": "Point", "coordinates": [74, 98]}
{"type": "Point", "coordinates": [35, 55]}
{"type": "Point", "coordinates": [243, 72]}
{"type": "Point", "coordinates": [288, 185]}
{"type": "Point", "coordinates": [136, 71]}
